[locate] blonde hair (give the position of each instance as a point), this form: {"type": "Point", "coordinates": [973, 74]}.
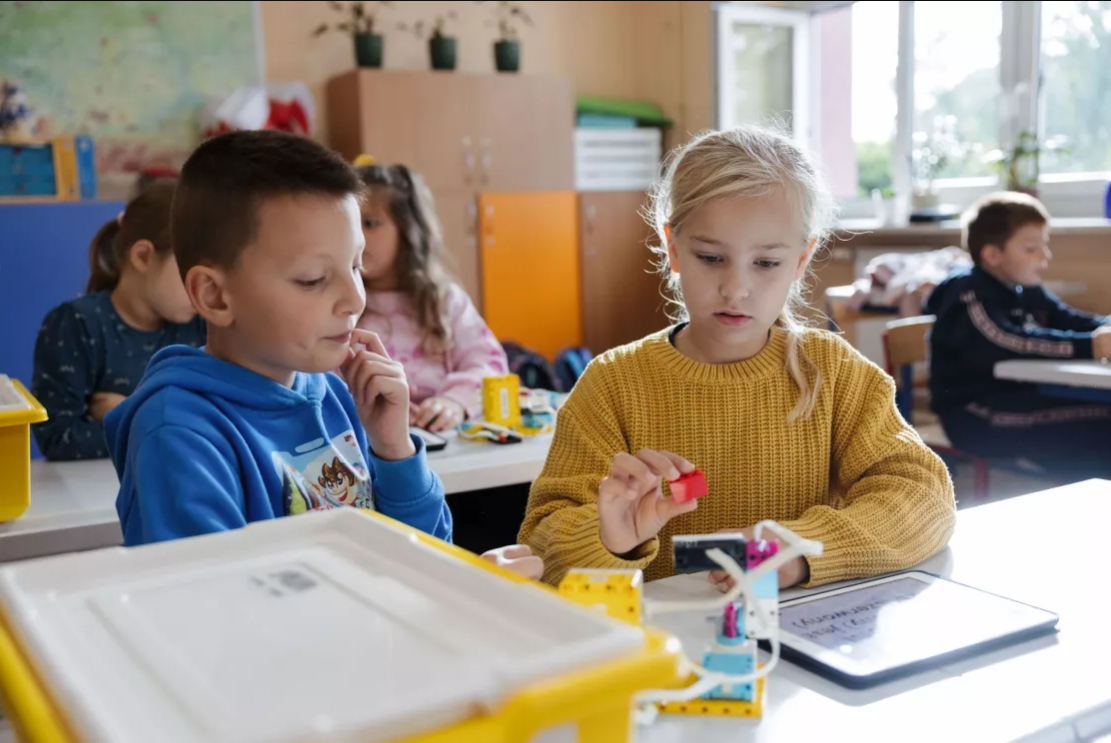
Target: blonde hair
{"type": "Point", "coordinates": [749, 162]}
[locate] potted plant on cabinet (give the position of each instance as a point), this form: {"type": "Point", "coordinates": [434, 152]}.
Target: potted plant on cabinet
{"type": "Point", "coordinates": [507, 49]}
{"type": "Point", "coordinates": [1020, 164]}
{"type": "Point", "coordinates": [441, 48]}
{"type": "Point", "coordinates": [360, 20]}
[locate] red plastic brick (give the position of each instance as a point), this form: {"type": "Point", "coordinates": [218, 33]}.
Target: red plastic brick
{"type": "Point", "coordinates": [689, 487]}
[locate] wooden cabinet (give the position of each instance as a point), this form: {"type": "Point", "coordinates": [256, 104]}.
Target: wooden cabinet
{"type": "Point", "coordinates": [621, 289]}
{"type": "Point", "coordinates": [466, 135]}
{"type": "Point", "coordinates": [458, 212]}
{"type": "Point", "coordinates": [482, 132]}
{"type": "Point", "coordinates": [530, 268]}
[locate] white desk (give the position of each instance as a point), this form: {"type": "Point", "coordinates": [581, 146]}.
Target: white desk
{"type": "Point", "coordinates": [73, 504]}
{"type": "Point", "coordinates": [1050, 690]}
{"type": "Point", "coordinates": [1084, 380]}
{"type": "Point", "coordinates": [1093, 374]}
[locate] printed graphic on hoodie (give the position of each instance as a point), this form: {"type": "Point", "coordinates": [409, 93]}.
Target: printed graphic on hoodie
{"type": "Point", "coordinates": [320, 475]}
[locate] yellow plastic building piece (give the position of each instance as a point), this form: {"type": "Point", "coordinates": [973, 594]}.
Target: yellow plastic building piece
{"type": "Point", "coordinates": [617, 592]}
{"type": "Point", "coordinates": [18, 410]}
{"type": "Point", "coordinates": [501, 400]}
{"type": "Point", "coordinates": [717, 707]}
{"type": "Point", "coordinates": [65, 169]}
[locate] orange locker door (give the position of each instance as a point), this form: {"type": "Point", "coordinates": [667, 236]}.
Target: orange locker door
{"type": "Point", "coordinates": [530, 268]}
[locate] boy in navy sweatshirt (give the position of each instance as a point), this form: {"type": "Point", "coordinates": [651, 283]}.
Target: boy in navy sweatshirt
{"type": "Point", "coordinates": [268, 237]}
{"type": "Point", "coordinates": [999, 310]}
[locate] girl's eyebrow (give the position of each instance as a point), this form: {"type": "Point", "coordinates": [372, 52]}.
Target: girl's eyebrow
{"type": "Point", "coordinates": [720, 244]}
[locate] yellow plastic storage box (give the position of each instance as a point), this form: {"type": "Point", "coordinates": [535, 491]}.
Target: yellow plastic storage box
{"type": "Point", "coordinates": [328, 626]}
{"type": "Point", "coordinates": [18, 410]}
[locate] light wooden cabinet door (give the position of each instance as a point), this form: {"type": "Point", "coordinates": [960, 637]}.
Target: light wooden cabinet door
{"type": "Point", "coordinates": [525, 133]}
{"type": "Point", "coordinates": [458, 212]}
{"type": "Point", "coordinates": [621, 290]}
{"type": "Point", "coordinates": [372, 113]}
{"type": "Point", "coordinates": [530, 268]}
{"type": "Point", "coordinates": [483, 132]}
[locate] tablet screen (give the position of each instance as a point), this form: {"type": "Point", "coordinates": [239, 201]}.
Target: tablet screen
{"type": "Point", "coordinates": [849, 618]}
{"type": "Point", "coordinates": [893, 622]}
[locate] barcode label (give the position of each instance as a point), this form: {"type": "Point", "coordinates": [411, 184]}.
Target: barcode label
{"type": "Point", "coordinates": [284, 582]}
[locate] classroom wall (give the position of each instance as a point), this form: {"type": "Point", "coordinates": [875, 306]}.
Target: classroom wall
{"type": "Point", "coordinates": [594, 43]}
{"type": "Point", "coordinates": [674, 63]}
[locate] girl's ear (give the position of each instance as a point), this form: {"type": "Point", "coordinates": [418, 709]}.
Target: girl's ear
{"type": "Point", "coordinates": [142, 255]}
{"type": "Point", "coordinates": [672, 253]}
{"type": "Point", "coordinates": [208, 291]}
{"type": "Point", "coordinates": [804, 259]}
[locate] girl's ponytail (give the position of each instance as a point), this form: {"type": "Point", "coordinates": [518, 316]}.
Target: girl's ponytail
{"type": "Point", "coordinates": [147, 217]}
{"type": "Point", "coordinates": [104, 271]}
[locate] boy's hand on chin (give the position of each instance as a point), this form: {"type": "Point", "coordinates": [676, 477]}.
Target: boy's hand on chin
{"type": "Point", "coordinates": [381, 394]}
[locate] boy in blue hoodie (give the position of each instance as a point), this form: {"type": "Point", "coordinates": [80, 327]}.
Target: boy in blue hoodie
{"type": "Point", "coordinates": [999, 310]}
{"type": "Point", "coordinates": [268, 236]}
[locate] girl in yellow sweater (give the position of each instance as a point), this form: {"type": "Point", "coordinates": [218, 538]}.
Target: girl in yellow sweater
{"type": "Point", "coordinates": [787, 423]}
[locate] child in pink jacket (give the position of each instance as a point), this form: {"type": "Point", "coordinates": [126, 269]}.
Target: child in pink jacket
{"type": "Point", "coordinates": [427, 322]}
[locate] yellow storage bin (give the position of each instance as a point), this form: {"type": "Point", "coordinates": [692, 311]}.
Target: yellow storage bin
{"type": "Point", "coordinates": [327, 626]}
{"type": "Point", "coordinates": [18, 410]}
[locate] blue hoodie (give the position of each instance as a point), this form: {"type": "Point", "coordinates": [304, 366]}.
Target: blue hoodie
{"type": "Point", "coordinates": [203, 445]}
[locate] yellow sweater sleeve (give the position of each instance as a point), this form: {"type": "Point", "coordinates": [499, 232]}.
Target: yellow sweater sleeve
{"type": "Point", "coordinates": [896, 506]}
{"type": "Point", "coordinates": [561, 523]}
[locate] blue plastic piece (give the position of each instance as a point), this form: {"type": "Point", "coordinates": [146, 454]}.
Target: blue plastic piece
{"type": "Point", "coordinates": [736, 664]}
{"type": "Point", "coordinates": [768, 586]}
{"type": "Point", "coordinates": [86, 166]}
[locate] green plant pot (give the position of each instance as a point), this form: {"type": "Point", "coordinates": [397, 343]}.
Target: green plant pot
{"type": "Point", "coordinates": [507, 55]}
{"type": "Point", "coordinates": [368, 50]}
{"type": "Point", "coordinates": [442, 51]}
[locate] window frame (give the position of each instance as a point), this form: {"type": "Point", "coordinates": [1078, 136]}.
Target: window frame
{"type": "Point", "coordinates": [802, 81]}
{"type": "Point", "coordinates": [1064, 194]}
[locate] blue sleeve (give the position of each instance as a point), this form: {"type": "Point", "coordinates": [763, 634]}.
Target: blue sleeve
{"type": "Point", "coordinates": [410, 492]}
{"type": "Point", "coordinates": [181, 484]}
{"type": "Point", "coordinates": [1064, 317]}
{"type": "Point", "coordinates": [65, 373]}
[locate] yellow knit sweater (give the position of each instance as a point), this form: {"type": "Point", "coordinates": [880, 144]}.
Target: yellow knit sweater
{"type": "Point", "coordinates": [853, 475]}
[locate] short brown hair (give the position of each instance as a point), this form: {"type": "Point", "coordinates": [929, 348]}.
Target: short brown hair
{"type": "Point", "coordinates": [146, 217]}
{"type": "Point", "coordinates": [995, 218]}
{"type": "Point", "coordinates": [226, 179]}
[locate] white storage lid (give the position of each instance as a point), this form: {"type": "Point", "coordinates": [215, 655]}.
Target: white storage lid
{"type": "Point", "coordinates": [10, 399]}
{"type": "Point", "coordinates": [325, 626]}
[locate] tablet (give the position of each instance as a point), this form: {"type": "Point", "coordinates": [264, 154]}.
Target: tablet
{"type": "Point", "coordinates": [432, 442]}
{"type": "Point", "coordinates": [890, 627]}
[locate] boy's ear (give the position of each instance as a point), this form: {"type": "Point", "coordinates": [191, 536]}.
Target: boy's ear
{"type": "Point", "coordinates": [672, 254]}
{"type": "Point", "coordinates": [208, 291]}
{"type": "Point", "coordinates": [804, 259]}
{"type": "Point", "coordinates": [991, 256]}
{"type": "Point", "coordinates": [142, 255]}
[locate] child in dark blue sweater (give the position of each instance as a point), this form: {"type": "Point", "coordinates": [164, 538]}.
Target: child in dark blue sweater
{"type": "Point", "coordinates": [999, 310]}
{"type": "Point", "coordinates": [92, 351]}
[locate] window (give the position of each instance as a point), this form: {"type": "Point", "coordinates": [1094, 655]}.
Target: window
{"type": "Point", "coordinates": [956, 88]}
{"type": "Point", "coordinates": [764, 66]}
{"type": "Point", "coordinates": [937, 90]}
{"type": "Point", "coordinates": [1076, 86]}
{"type": "Point", "coordinates": [873, 46]}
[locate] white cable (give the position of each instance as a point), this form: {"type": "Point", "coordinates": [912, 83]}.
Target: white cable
{"type": "Point", "coordinates": [743, 584]}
